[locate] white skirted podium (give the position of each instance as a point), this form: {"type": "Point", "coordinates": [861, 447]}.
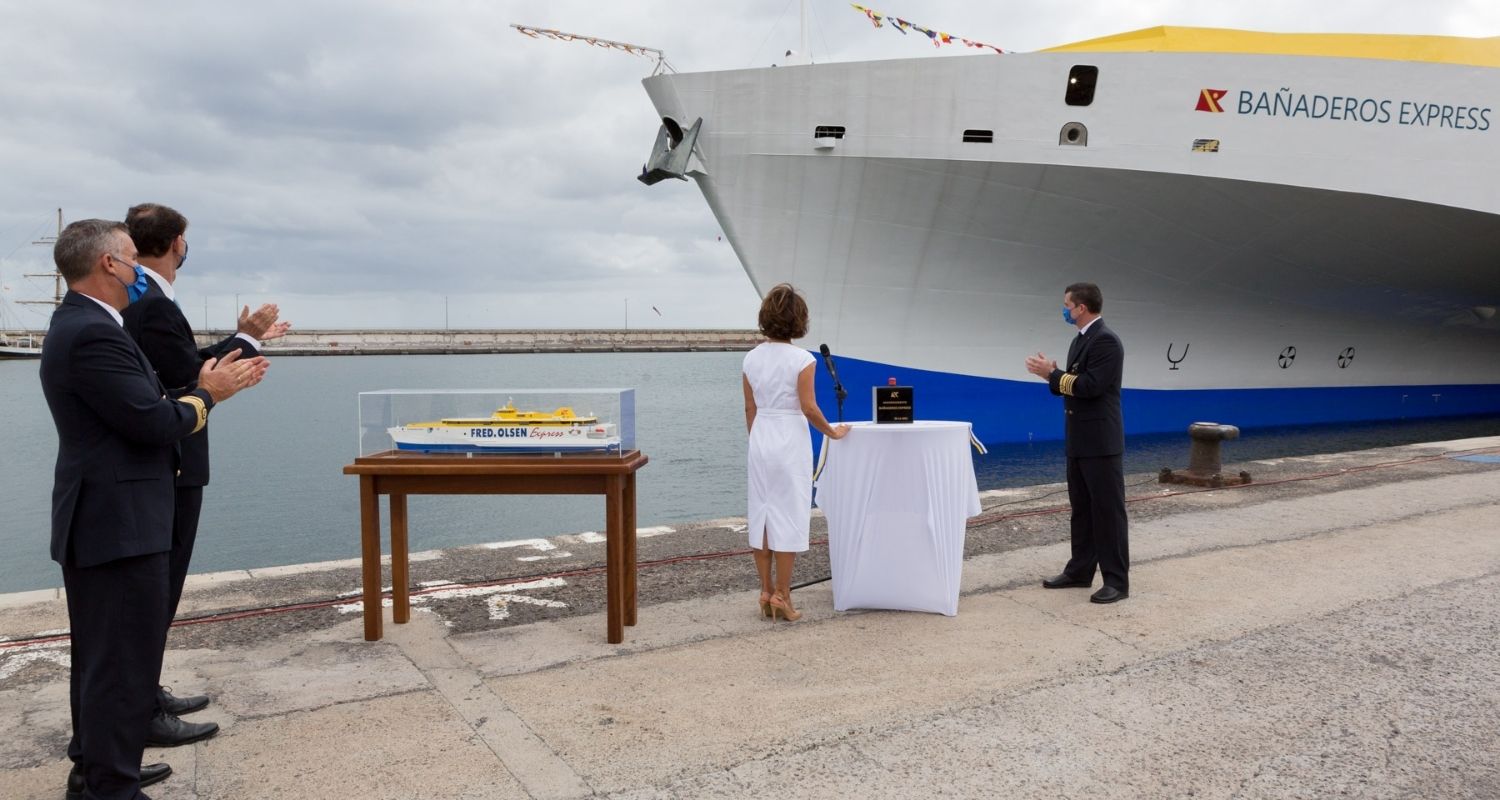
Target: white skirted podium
{"type": "Point", "coordinates": [897, 497]}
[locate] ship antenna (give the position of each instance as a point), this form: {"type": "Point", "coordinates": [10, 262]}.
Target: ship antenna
{"type": "Point", "coordinates": [801, 55]}
{"type": "Point", "coordinates": [803, 38]}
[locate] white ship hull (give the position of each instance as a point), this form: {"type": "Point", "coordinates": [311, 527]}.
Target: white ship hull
{"type": "Point", "coordinates": [1311, 270]}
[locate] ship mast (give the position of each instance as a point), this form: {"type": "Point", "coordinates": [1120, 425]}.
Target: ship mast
{"type": "Point", "coordinates": [57, 281]}
{"type": "Point", "coordinates": [803, 40]}
{"type": "Point", "coordinates": [801, 55]}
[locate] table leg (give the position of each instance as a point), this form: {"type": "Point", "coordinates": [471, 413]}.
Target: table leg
{"type": "Point", "coordinates": [400, 572]}
{"type": "Point", "coordinates": [369, 543]}
{"type": "Point", "coordinates": [614, 564]}
{"type": "Point", "coordinates": [630, 557]}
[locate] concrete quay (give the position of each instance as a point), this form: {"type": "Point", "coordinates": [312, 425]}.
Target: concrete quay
{"type": "Point", "coordinates": [439, 342]}
{"type": "Point", "coordinates": [1328, 631]}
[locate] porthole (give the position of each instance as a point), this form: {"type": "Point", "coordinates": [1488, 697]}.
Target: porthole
{"type": "Point", "coordinates": [1081, 82]}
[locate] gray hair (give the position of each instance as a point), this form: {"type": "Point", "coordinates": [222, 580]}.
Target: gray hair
{"type": "Point", "coordinates": [80, 245]}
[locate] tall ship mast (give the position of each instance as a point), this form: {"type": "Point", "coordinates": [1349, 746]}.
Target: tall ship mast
{"type": "Point", "coordinates": [1288, 229]}
{"type": "Point", "coordinates": [22, 343]}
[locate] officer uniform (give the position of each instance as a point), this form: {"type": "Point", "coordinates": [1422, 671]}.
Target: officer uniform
{"type": "Point", "coordinates": [112, 508]}
{"type": "Point", "coordinates": [1095, 438]}
{"type": "Point", "coordinates": [163, 333]}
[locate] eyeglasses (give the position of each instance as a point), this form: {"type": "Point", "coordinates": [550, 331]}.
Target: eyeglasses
{"type": "Point", "coordinates": [130, 264]}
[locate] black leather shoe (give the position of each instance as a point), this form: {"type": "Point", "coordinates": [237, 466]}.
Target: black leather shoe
{"type": "Point", "coordinates": [1064, 581]}
{"type": "Point", "coordinates": [166, 730]}
{"type": "Point", "coordinates": [154, 773]}
{"type": "Point", "coordinates": [150, 773]}
{"type": "Point", "coordinates": [177, 706]}
{"type": "Point", "coordinates": [1108, 594]}
{"type": "Point", "coordinates": [76, 786]}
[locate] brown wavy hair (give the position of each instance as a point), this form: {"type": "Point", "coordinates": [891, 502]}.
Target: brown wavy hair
{"type": "Point", "coordinates": [783, 314]}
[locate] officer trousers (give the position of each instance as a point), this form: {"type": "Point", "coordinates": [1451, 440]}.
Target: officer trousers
{"type": "Point", "coordinates": [1096, 491]}
{"type": "Point", "coordinates": [184, 534]}
{"type": "Point", "coordinates": [115, 615]}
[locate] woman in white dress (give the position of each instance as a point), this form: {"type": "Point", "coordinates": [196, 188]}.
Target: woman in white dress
{"type": "Point", "coordinates": [779, 404]}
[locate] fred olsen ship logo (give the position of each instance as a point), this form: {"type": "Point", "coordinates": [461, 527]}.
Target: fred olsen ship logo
{"type": "Point", "coordinates": [1208, 100]}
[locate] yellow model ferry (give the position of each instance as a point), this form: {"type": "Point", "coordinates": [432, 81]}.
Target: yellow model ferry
{"type": "Point", "coordinates": [508, 430]}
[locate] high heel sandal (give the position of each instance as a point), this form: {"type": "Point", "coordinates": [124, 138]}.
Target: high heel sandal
{"type": "Point", "coordinates": [765, 605]}
{"type": "Point", "coordinates": [782, 605]}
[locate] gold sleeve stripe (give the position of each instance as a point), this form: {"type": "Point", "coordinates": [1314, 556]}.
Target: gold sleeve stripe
{"type": "Point", "coordinates": [198, 406]}
{"type": "Point", "coordinates": [1065, 384]}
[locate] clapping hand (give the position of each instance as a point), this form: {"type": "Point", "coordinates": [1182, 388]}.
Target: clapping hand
{"type": "Point", "coordinates": [276, 331]}
{"type": "Point", "coordinates": [224, 377]}
{"type": "Point", "coordinates": [1040, 366]}
{"type": "Point", "coordinates": [260, 324]}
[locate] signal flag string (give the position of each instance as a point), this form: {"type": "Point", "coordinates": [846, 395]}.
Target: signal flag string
{"type": "Point", "coordinates": [901, 26]}
{"type": "Point", "coordinates": [607, 44]}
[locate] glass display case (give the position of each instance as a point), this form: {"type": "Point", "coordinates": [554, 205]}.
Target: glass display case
{"type": "Point", "coordinates": [480, 422]}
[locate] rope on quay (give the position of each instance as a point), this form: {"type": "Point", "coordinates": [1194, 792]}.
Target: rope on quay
{"type": "Point", "coordinates": [973, 522]}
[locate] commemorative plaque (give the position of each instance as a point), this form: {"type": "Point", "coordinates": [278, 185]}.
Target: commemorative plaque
{"type": "Point", "coordinates": [892, 403]}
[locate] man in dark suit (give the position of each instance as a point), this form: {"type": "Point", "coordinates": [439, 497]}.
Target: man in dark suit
{"type": "Point", "coordinates": [112, 501]}
{"type": "Point", "coordinates": [161, 329]}
{"type": "Point", "coordinates": [1095, 438]}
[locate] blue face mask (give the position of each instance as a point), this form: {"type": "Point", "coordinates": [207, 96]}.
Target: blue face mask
{"type": "Point", "coordinates": [137, 290]}
{"type": "Point", "coordinates": [1068, 316]}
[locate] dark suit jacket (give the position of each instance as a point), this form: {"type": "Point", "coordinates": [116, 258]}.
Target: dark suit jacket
{"type": "Point", "coordinates": [163, 332]}
{"type": "Point", "coordinates": [1090, 387]}
{"type": "Point", "coordinates": [112, 495]}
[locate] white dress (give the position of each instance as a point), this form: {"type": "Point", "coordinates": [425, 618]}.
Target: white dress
{"type": "Point", "coordinates": [780, 464]}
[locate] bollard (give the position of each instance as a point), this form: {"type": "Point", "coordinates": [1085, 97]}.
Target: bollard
{"type": "Point", "coordinates": [1204, 466]}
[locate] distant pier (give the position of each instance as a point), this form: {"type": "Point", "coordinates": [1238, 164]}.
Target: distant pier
{"type": "Point", "coordinates": [441, 342]}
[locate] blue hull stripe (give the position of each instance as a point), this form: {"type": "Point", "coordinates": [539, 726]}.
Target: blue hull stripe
{"type": "Point", "coordinates": [1014, 411]}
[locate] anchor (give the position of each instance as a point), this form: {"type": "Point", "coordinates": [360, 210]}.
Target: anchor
{"type": "Point", "coordinates": [669, 156]}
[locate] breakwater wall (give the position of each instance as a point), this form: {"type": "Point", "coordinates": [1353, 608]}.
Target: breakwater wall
{"type": "Point", "coordinates": [437, 342]}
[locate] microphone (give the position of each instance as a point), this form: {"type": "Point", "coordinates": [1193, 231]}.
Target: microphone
{"type": "Point", "coordinates": [838, 388]}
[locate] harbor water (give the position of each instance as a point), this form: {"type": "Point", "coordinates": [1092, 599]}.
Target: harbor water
{"type": "Point", "coordinates": [278, 495]}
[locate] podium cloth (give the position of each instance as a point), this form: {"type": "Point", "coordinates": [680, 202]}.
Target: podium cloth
{"type": "Point", "coordinates": [897, 497]}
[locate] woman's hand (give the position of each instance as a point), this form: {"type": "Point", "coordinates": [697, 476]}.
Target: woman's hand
{"type": "Point", "coordinates": [838, 431]}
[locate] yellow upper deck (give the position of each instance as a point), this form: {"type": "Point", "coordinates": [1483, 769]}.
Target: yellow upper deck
{"type": "Point", "coordinates": [1388, 47]}
{"type": "Point", "coordinates": [508, 415]}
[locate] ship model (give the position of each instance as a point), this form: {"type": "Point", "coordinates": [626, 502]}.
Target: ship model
{"type": "Point", "coordinates": [509, 430]}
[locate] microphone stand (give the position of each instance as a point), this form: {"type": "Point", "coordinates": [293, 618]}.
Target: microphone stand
{"type": "Point", "coordinates": [839, 393]}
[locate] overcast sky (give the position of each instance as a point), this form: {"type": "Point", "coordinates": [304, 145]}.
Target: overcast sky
{"type": "Point", "coordinates": [362, 162]}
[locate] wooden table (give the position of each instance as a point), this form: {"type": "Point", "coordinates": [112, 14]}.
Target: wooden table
{"type": "Point", "coordinates": [399, 474]}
